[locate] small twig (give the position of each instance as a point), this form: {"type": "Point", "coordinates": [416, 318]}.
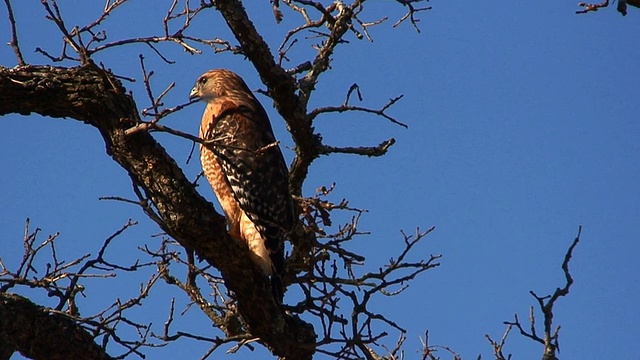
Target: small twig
{"type": "Point", "coordinates": [108, 8]}
{"type": "Point", "coordinates": [282, 54]}
{"type": "Point", "coordinates": [591, 7]}
{"type": "Point", "coordinates": [118, 198]}
{"type": "Point", "coordinates": [56, 17]}
{"type": "Point", "coordinates": [411, 13]}
{"type": "Point", "coordinates": [379, 150]}
{"type": "Point", "coordinates": [103, 323]}
{"type": "Point", "coordinates": [340, 24]}
{"type": "Point", "coordinates": [352, 88]}
{"type": "Point", "coordinates": [326, 14]}
{"type": "Point", "coordinates": [147, 85]}
{"type": "Point", "coordinates": [99, 259]}
{"type": "Point", "coordinates": [499, 346]}
{"type": "Point", "coordinates": [170, 62]}
{"type": "Point", "coordinates": [144, 203]}
{"type": "Point", "coordinates": [14, 35]}
{"type": "Point", "coordinates": [344, 107]}
{"type": "Point", "coordinates": [365, 26]}
{"type": "Point", "coordinates": [62, 56]}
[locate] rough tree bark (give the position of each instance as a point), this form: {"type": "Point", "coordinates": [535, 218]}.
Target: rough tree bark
{"type": "Point", "coordinates": [38, 334]}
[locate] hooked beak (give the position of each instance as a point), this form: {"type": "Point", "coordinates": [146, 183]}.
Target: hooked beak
{"type": "Point", "coordinates": [194, 94]}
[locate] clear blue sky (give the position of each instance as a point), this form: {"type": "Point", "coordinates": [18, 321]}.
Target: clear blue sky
{"type": "Point", "coordinates": [524, 123]}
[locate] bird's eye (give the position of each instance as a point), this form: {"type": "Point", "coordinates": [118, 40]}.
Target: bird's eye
{"type": "Point", "coordinates": [202, 81]}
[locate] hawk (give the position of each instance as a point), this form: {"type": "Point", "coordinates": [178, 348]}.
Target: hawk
{"type": "Point", "coordinates": [243, 163]}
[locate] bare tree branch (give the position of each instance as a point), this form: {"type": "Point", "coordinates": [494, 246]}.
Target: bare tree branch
{"type": "Point", "coordinates": [499, 346]}
{"type": "Point", "coordinates": [379, 150]}
{"type": "Point", "coordinates": [550, 336]}
{"type": "Point", "coordinates": [346, 107]}
{"type": "Point", "coordinates": [622, 6]}
{"type": "Point", "coordinates": [591, 7]}
{"type": "Point", "coordinates": [411, 13]}
{"type": "Point", "coordinates": [429, 351]}
{"type": "Point", "coordinates": [56, 17]}
{"type": "Point", "coordinates": [14, 34]}
{"type": "Point", "coordinates": [61, 281]}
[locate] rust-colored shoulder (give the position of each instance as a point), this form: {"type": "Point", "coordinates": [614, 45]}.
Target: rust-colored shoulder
{"type": "Point", "coordinates": [230, 105]}
{"type": "Point", "coordinates": [212, 113]}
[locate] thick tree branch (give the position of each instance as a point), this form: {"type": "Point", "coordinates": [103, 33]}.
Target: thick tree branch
{"type": "Point", "coordinates": [41, 334]}
{"type": "Point", "coordinates": [95, 97]}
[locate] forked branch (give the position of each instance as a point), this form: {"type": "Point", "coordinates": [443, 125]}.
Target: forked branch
{"type": "Point", "coordinates": [549, 338]}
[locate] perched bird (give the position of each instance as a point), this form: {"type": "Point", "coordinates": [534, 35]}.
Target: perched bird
{"type": "Point", "coordinates": [243, 163]}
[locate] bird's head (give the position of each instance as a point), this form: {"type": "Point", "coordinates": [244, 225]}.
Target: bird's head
{"type": "Point", "coordinates": [217, 84]}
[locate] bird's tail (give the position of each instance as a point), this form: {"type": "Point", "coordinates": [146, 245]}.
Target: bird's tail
{"type": "Point", "coordinates": [277, 288]}
{"type": "Point", "coordinates": [275, 245]}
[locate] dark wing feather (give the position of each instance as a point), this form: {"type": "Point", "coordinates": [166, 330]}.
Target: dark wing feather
{"type": "Point", "coordinates": [243, 142]}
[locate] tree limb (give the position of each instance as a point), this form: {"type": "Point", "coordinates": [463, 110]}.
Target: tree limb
{"type": "Point", "coordinates": [40, 334]}
{"type": "Point", "coordinates": [550, 337]}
